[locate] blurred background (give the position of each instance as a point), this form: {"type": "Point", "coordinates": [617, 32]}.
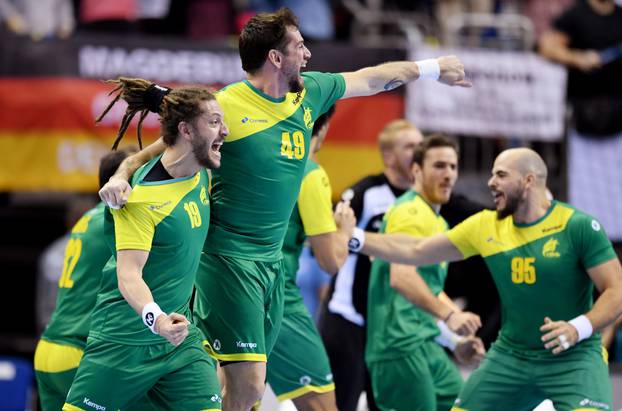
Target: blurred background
{"type": "Point", "coordinates": [545, 75]}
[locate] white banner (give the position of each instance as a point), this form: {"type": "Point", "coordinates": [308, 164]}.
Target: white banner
{"type": "Point", "coordinates": [514, 94]}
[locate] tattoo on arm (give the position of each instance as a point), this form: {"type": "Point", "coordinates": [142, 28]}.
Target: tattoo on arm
{"type": "Point", "coordinates": [393, 84]}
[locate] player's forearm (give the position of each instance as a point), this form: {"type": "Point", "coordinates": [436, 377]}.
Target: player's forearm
{"type": "Point", "coordinates": [330, 250]}
{"type": "Point", "coordinates": [134, 290]}
{"type": "Point", "coordinates": [387, 76]}
{"type": "Point", "coordinates": [554, 48]}
{"type": "Point", "coordinates": [396, 248]}
{"type": "Point", "coordinates": [607, 308]}
{"type": "Point", "coordinates": [406, 281]}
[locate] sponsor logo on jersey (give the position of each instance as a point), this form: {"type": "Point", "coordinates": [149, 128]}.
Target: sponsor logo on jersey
{"type": "Point", "coordinates": [154, 207]}
{"type": "Point", "coordinates": [241, 344]}
{"type": "Point", "coordinates": [308, 119]}
{"type": "Point", "coordinates": [203, 196]}
{"type": "Point", "coordinates": [254, 120]}
{"type": "Point", "coordinates": [217, 345]}
{"type": "Point", "coordinates": [550, 248]}
{"type": "Point", "coordinates": [305, 380]}
{"type": "Point", "coordinates": [594, 404]}
{"type": "Point", "coordinates": [93, 405]}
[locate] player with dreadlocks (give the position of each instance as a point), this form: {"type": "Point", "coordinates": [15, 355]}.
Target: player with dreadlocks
{"type": "Point", "coordinates": [156, 240]}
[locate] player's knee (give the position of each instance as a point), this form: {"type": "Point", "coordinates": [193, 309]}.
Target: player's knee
{"type": "Point", "coordinates": [251, 389]}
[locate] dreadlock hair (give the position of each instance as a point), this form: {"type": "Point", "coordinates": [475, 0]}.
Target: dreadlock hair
{"type": "Point", "coordinates": [143, 96]}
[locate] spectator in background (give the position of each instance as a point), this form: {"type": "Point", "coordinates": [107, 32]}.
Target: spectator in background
{"type": "Point", "coordinates": [38, 18]}
{"type": "Point", "coordinates": [587, 39]}
{"type": "Point", "coordinates": [117, 16]}
{"type": "Point", "coordinates": [316, 16]}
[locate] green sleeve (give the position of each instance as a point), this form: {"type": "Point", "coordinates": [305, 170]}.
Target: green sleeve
{"type": "Point", "coordinates": [326, 88]}
{"type": "Point", "coordinates": [590, 240]}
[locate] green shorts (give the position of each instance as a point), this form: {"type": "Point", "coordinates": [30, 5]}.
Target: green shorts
{"type": "Point", "coordinates": [55, 367]}
{"type": "Point", "coordinates": [115, 376]}
{"type": "Point", "coordinates": [299, 363]}
{"type": "Point", "coordinates": [577, 379]}
{"type": "Point", "coordinates": [426, 380]}
{"type": "Point", "coordinates": [239, 306]}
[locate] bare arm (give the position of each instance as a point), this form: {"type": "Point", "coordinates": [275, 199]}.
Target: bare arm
{"type": "Point", "coordinates": [130, 264]}
{"type": "Point", "coordinates": [554, 45]}
{"type": "Point", "coordinates": [331, 249]}
{"type": "Point", "coordinates": [405, 249]}
{"type": "Point", "coordinates": [117, 190]}
{"type": "Point", "coordinates": [608, 280]}
{"type": "Point", "coordinates": [406, 280]}
{"type": "Point", "coordinates": [387, 76]}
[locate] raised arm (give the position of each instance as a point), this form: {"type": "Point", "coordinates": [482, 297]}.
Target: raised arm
{"type": "Point", "coordinates": [117, 190]}
{"type": "Point", "coordinates": [130, 264]}
{"type": "Point", "coordinates": [387, 76]}
{"type": "Point", "coordinates": [405, 249]}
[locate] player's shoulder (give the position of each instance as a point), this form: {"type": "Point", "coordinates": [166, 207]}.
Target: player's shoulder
{"type": "Point", "coordinates": [578, 218]}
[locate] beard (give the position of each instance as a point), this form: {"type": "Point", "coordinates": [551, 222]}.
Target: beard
{"type": "Point", "coordinates": [296, 85]}
{"type": "Point", "coordinates": [511, 204]}
{"type": "Point", "coordinates": [201, 151]}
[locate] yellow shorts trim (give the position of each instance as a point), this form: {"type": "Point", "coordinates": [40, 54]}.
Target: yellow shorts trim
{"type": "Point", "coordinates": [299, 392]}
{"type": "Point", "coordinates": [69, 407]}
{"type": "Point", "coordinates": [458, 409]}
{"type": "Point", "coordinates": [233, 357]}
{"type": "Point", "coordinates": [52, 357]}
{"type": "Point", "coordinates": [586, 409]}
{"type": "Point", "coordinates": [604, 353]}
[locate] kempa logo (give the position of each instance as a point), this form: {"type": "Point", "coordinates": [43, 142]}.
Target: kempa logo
{"type": "Point", "coordinates": [595, 404]}
{"type": "Point", "coordinates": [550, 248]}
{"type": "Point", "coordinates": [254, 120]}
{"type": "Point", "coordinates": [595, 225]}
{"type": "Point", "coordinates": [492, 240]}
{"type": "Point", "coordinates": [241, 344]}
{"type": "Point", "coordinates": [217, 345]}
{"type": "Point", "coordinates": [216, 398]}
{"type": "Point", "coordinates": [305, 380]}
{"type": "Point", "coordinates": [91, 404]}
{"type": "Point", "coordinates": [149, 319]}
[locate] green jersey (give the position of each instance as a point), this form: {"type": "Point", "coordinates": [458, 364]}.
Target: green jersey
{"type": "Point", "coordinates": [86, 254]}
{"type": "Point", "coordinates": [169, 219]}
{"type": "Point", "coordinates": [539, 269]}
{"type": "Point", "coordinates": [313, 215]}
{"type": "Point", "coordinates": [263, 160]}
{"type": "Point", "coordinates": [395, 326]}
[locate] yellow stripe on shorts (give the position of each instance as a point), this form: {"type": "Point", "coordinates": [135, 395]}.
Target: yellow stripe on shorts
{"type": "Point", "coordinates": [52, 357]}
{"type": "Point", "coordinates": [69, 407]}
{"type": "Point", "coordinates": [299, 392]}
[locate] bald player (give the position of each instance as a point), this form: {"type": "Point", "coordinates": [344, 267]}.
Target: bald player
{"type": "Point", "coordinates": [545, 258]}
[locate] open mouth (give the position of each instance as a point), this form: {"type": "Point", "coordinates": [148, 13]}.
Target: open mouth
{"type": "Point", "coordinates": [215, 148]}
{"type": "Point", "coordinates": [496, 196]}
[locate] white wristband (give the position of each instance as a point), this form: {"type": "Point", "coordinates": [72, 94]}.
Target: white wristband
{"type": "Point", "coordinates": [357, 241]}
{"type": "Point", "coordinates": [429, 68]}
{"type": "Point", "coordinates": [447, 338]}
{"type": "Point", "coordinates": [583, 326]}
{"type": "Point", "coordinates": [151, 312]}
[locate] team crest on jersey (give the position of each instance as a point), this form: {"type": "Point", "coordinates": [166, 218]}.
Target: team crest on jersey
{"type": "Point", "coordinates": [203, 196]}
{"type": "Point", "coordinates": [550, 248]}
{"type": "Point", "coordinates": [308, 119]}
